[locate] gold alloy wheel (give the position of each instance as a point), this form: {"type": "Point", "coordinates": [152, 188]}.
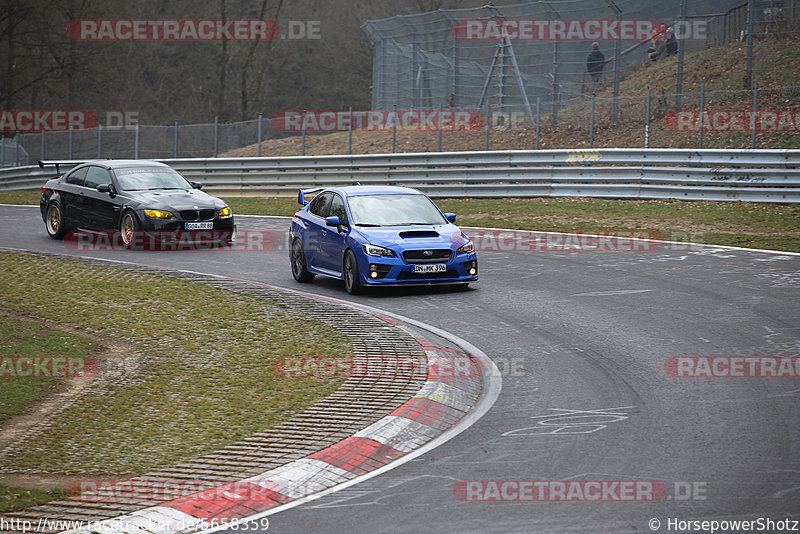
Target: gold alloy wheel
{"type": "Point", "coordinates": [126, 229]}
{"type": "Point", "coordinates": [54, 219]}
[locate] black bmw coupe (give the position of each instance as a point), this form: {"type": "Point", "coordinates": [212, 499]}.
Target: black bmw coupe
{"type": "Point", "coordinates": [135, 200]}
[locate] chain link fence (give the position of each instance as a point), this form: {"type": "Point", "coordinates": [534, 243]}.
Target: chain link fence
{"type": "Point", "coordinates": [136, 141]}
{"type": "Point", "coordinates": [474, 58]}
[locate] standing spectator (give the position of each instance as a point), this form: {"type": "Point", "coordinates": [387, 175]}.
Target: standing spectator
{"type": "Point", "coordinates": [595, 63]}
{"type": "Point", "coordinates": [671, 41]}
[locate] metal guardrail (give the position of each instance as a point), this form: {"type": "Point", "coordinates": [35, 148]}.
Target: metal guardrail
{"type": "Point", "coordinates": [714, 174]}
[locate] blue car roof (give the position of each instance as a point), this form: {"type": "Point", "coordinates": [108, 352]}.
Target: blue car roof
{"type": "Point", "coordinates": [355, 190]}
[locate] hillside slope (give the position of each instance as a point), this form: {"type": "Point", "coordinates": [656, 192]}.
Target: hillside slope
{"type": "Point", "coordinates": [776, 66]}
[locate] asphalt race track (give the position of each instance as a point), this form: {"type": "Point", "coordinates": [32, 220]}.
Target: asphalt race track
{"type": "Point", "coordinates": [585, 342]}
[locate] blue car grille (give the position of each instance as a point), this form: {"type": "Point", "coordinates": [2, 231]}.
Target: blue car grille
{"type": "Point", "coordinates": [427, 255]}
{"type": "Point", "coordinates": [197, 215]}
{"type": "Point", "coordinates": [408, 275]}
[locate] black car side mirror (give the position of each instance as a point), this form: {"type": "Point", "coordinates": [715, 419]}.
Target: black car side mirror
{"type": "Point", "coordinates": [197, 185]}
{"type": "Point", "coordinates": [106, 188]}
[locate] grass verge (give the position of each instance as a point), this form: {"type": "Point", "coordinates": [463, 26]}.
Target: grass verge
{"type": "Point", "coordinates": [200, 376]}
{"type": "Point", "coordinates": [20, 338]}
{"type": "Point", "coordinates": [13, 498]}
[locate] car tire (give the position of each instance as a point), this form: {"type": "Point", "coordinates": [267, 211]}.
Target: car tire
{"type": "Point", "coordinates": [298, 260]}
{"type": "Point", "coordinates": [127, 228]}
{"type": "Point", "coordinates": [352, 284]}
{"type": "Point", "coordinates": [230, 240]}
{"type": "Point", "coordinates": [54, 221]}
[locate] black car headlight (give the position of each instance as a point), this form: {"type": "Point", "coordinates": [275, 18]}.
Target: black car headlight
{"type": "Point", "coordinates": [375, 250]}
{"type": "Point", "coordinates": [225, 213]}
{"type": "Point", "coordinates": [158, 214]}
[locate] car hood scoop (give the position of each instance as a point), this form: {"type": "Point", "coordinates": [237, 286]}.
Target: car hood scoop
{"type": "Point", "coordinates": [419, 233]}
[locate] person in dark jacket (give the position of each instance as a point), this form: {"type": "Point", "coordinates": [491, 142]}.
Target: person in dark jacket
{"type": "Point", "coordinates": [595, 63]}
{"type": "Point", "coordinates": [671, 41]}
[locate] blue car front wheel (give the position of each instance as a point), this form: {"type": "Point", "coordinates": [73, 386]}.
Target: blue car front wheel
{"type": "Point", "coordinates": [352, 284]}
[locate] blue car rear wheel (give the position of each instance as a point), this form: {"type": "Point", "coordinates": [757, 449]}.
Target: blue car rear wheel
{"type": "Point", "coordinates": [299, 269]}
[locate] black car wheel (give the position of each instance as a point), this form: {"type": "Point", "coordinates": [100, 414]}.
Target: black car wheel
{"type": "Point", "coordinates": [299, 270]}
{"type": "Point", "coordinates": [351, 282]}
{"type": "Point", "coordinates": [127, 227]}
{"type": "Point", "coordinates": [55, 222]}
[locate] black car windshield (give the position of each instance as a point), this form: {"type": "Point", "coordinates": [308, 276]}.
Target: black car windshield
{"type": "Point", "coordinates": [394, 210]}
{"type": "Point", "coordinates": [147, 178]}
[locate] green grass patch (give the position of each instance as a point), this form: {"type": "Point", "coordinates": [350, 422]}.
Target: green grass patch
{"type": "Point", "coordinates": [13, 499]}
{"type": "Point", "coordinates": [723, 223]}
{"type": "Point", "coordinates": [202, 374]}
{"type": "Point", "coordinates": [19, 338]}
{"type": "Point", "coordinates": [21, 197]}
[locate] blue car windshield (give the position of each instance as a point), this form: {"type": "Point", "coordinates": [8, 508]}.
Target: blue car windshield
{"type": "Point", "coordinates": [394, 210]}
{"type": "Point", "coordinates": [145, 179]}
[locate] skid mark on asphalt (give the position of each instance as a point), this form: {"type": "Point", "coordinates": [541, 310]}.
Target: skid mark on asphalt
{"type": "Point", "coordinates": [570, 421]}
{"type": "Point", "coordinates": [613, 292]}
{"type": "Point", "coordinates": [375, 493]}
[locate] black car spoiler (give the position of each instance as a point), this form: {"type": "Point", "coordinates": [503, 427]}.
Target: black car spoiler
{"type": "Point", "coordinates": [71, 163]}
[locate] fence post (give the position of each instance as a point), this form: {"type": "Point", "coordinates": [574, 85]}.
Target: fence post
{"type": "Point", "coordinates": [702, 112]}
{"type": "Point", "coordinates": [136, 142]}
{"type": "Point", "coordinates": [681, 50]}
{"type": "Point", "coordinates": [488, 120]}
{"type": "Point", "coordinates": [755, 110]}
{"type": "Point", "coordinates": [538, 110]}
{"type": "Point", "coordinates": [260, 116]}
{"type": "Point", "coordinates": [70, 144]}
{"type": "Point", "coordinates": [175, 141]}
{"type": "Point", "coordinates": [647, 122]}
{"type": "Point", "coordinates": [16, 155]}
{"type": "Point", "coordinates": [303, 136]}
{"type": "Point", "coordinates": [591, 124]}
{"type": "Point", "coordinates": [350, 131]}
{"type": "Point", "coordinates": [41, 149]}
{"type": "Point", "coordinates": [440, 128]}
{"type": "Point", "coordinates": [394, 128]}
{"type": "Point", "coordinates": [99, 140]}
{"type": "Point", "coordinates": [216, 134]}
{"type": "Point", "coordinates": [748, 66]}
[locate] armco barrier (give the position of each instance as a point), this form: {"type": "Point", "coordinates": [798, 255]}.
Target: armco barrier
{"type": "Point", "coordinates": [714, 174]}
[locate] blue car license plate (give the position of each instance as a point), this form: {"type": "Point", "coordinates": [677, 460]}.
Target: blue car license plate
{"type": "Point", "coordinates": [430, 268]}
{"type": "Point", "coordinates": [199, 226]}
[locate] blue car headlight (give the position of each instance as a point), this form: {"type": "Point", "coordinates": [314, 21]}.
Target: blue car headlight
{"type": "Point", "coordinates": [466, 248]}
{"type": "Point", "coordinates": [375, 250]}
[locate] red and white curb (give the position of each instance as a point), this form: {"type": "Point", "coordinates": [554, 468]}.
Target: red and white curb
{"type": "Point", "coordinates": [421, 422]}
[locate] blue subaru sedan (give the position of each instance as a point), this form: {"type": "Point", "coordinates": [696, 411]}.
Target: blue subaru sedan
{"type": "Point", "coordinates": [378, 236]}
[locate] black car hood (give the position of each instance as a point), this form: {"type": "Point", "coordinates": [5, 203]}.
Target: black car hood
{"type": "Point", "coordinates": [176, 200]}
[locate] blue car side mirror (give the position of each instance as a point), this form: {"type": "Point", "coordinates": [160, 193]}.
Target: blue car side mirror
{"type": "Point", "coordinates": [333, 221]}
{"type": "Point", "coordinates": [451, 217]}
